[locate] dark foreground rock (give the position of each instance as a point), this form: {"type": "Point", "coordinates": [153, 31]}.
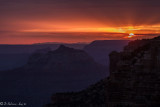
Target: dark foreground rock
{"type": "Point", "coordinates": [94, 96]}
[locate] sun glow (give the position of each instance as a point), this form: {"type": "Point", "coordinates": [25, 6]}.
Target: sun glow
{"type": "Point", "coordinates": [49, 27]}
{"type": "Point", "coordinates": [131, 34]}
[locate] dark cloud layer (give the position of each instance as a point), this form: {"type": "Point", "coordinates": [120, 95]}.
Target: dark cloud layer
{"type": "Point", "coordinates": [104, 11]}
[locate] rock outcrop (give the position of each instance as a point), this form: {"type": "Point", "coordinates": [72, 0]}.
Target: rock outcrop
{"type": "Point", "coordinates": [63, 59]}
{"type": "Point", "coordinates": [134, 80]}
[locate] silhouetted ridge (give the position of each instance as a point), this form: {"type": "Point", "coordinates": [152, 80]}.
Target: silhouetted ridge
{"type": "Point", "coordinates": [64, 49]}
{"type": "Point", "coordinates": [157, 38]}
{"type": "Point", "coordinates": [99, 49]}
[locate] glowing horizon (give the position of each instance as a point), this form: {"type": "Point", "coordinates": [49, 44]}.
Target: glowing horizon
{"type": "Point", "coordinates": [128, 29]}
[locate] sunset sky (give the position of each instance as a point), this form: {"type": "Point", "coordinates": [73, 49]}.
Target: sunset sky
{"type": "Point", "coordinates": [34, 21]}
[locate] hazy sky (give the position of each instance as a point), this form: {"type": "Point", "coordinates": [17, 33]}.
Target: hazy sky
{"type": "Point", "coordinates": [32, 21]}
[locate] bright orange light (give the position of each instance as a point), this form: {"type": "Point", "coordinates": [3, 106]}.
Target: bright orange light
{"type": "Point", "coordinates": [40, 26]}
{"type": "Point", "coordinates": [131, 34]}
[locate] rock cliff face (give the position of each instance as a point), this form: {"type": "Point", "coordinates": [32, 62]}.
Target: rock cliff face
{"type": "Point", "coordinates": [134, 80]}
{"type": "Point", "coordinates": [135, 72]}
